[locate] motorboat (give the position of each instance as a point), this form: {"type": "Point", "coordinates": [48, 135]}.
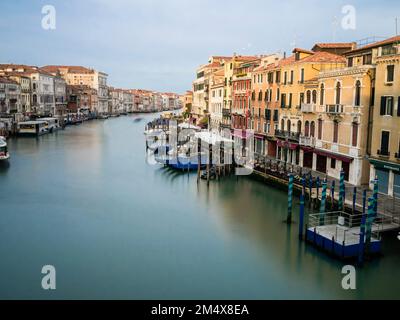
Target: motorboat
{"type": "Point", "coordinates": [4, 155]}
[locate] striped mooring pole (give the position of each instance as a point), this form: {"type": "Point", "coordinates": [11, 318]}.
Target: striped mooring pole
{"type": "Point", "coordinates": [333, 195]}
{"type": "Point", "coordinates": [303, 183]}
{"type": "Point", "coordinates": [354, 199]}
{"type": "Point", "coordinates": [301, 219]}
{"type": "Point", "coordinates": [362, 231]}
{"type": "Point", "coordinates": [322, 207]}
{"type": "Point", "coordinates": [290, 199]}
{"type": "Point", "coordinates": [376, 190]}
{"type": "Point", "coordinates": [318, 185]}
{"type": "Point", "coordinates": [368, 224]}
{"type": "Point", "coordinates": [341, 192]}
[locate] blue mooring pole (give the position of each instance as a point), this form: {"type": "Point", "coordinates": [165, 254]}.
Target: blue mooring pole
{"type": "Point", "coordinates": [354, 199]}
{"type": "Point", "coordinates": [368, 224]}
{"type": "Point", "coordinates": [362, 232]}
{"type": "Point", "coordinates": [322, 207]}
{"type": "Point", "coordinates": [301, 219]}
{"type": "Point", "coordinates": [303, 183]}
{"type": "Point", "coordinates": [333, 194]}
{"type": "Point", "coordinates": [290, 199]}
{"type": "Point", "coordinates": [376, 190]}
{"type": "Point", "coordinates": [341, 191]}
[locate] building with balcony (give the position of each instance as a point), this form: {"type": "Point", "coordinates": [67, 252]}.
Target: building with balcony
{"type": "Point", "coordinates": [298, 100]}
{"type": "Point", "coordinates": [10, 96]}
{"type": "Point", "coordinates": [385, 146]}
{"type": "Point", "coordinates": [216, 98]}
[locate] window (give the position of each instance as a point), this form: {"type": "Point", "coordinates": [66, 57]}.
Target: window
{"type": "Point", "coordinates": [283, 100]}
{"type": "Point", "coordinates": [390, 73]}
{"type": "Point", "coordinates": [260, 96]}
{"type": "Point", "coordinates": [357, 99]}
{"type": "Point", "coordinates": [267, 114]}
{"type": "Point", "coordinates": [367, 59]}
{"type": "Point", "coordinates": [289, 125]}
{"type": "Point", "coordinates": [299, 126]}
{"type": "Point", "coordinates": [320, 123]}
{"type": "Point", "coordinates": [314, 96]}
{"type": "Point", "coordinates": [301, 75]}
{"type": "Point", "coordinates": [278, 94]}
{"type": "Point", "coordinates": [307, 129]}
{"type": "Point", "coordinates": [333, 163]}
{"type": "Point", "coordinates": [308, 96]}
{"type": "Point", "coordinates": [350, 62]}
{"type": "Point", "coordinates": [276, 115]}
{"type": "Point", "coordinates": [386, 106]}
{"type": "Point", "coordinates": [321, 95]}
{"type": "Point", "coordinates": [398, 107]}
{"type": "Point", "coordinates": [385, 143]}
{"type": "Point", "coordinates": [354, 139]}
{"type": "Point", "coordinates": [290, 100]}
{"type": "Point", "coordinates": [285, 78]}
{"type": "Point", "coordinates": [291, 77]}
{"type": "Point", "coordinates": [335, 131]}
{"type": "Point", "coordinates": [270, 77]}
{"type": "Point", "coordinates": [301, 98]}
{"type": "Point", "coordinates": [282, 124]}
{"type": "Point", "coordinates": [278, 77]}
{"type": "Point", "coordinates": [312, 129]}
{"type": "Point", "coordinates": [338, 93]}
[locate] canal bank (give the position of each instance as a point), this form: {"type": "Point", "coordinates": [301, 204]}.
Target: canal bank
{"type": "Point", "coordinates": [85, 200]}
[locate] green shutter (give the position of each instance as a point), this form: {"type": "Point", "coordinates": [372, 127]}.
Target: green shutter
{"type": "Point", "coordinates": [383, 106]}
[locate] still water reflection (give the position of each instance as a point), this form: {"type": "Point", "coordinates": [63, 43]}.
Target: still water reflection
{"type": "Point", "coordinates": [86, 201]}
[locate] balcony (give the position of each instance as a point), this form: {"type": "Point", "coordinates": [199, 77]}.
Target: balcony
{"type": "Point", "coordinates": [334, 109]}
{"type": "Point", "coordinates": [308, 107]}
{"type": "Point", "coordinates": [283, 134]}
{"type": "Point", "coordinates": [383, 153]}
{"type": "Point", "coordinates": [226, 112]}
{"type": "Point", "coordinates": [307, 141]}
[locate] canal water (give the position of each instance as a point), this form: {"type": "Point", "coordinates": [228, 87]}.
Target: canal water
{"type": "Point", "coordinates": [86, 201]}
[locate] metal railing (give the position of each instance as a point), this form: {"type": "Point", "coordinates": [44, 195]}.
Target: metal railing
{"type": "Point", "coordinates": [334, 108]}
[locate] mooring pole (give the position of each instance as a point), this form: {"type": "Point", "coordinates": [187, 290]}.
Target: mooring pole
{"type": "Point", "coordinates": [301, 219]}
{"type": "Point", "coordinates": [354, 199]}
{"type": "Point", "coordinates": [376, 190]}
{"type": "Point", "coordinates": [322, 208]}
{"type": "Point", "coordinates": [369, 219]}
{"type": "Point", "coordinates": [310, 185]}
{"type": "Point", "coordinates": [198, 159]}
{"type": "Point", "coordinates": [333, 195]}
{"type": "Point", "coordinates": [318, 182]}
{"type": "Point", "coordinates": [290, 199]}
{"type": "Point", "coordinates": [341, 191]}
{"type": "Point", "coordinates": [303, 183]}
{"type": "Point", "coordinates": [208, 164]}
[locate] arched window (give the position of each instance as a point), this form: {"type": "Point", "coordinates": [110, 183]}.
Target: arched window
{"type": "Point", "coordinates": [308, 96]}
{"type": "Point", "coordinates": [357, 100]}
{"type": "Point", "coordinates": [260, 96]}
{"type": "Point", "coordinates": [266, 95]}
{"type": "Point", "coordinates": [282, 124]}
{"type": "Point", "coordinates": [299, 126]}
{"type": "Point", "coordinates": [314, 96]}
{"type": "Point", "coordinates": [338, 93]}
{"type": "Point", "coordinates": [289, 125]}
{"type": "Point", "coordinates": [322, 95]}
{"type": "Point", "coordinates": [312, 129]}
{"type": "Point", "coordinates": [253, 95]}
{"type": "Point", "coordinates": [307, 129]}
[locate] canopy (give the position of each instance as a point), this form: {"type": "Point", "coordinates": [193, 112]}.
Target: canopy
{"type": "Point", "coordinates": [211, 137]}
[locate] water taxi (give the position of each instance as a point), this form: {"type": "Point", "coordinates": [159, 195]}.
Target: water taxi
{"type": "Point", "coordinates": [32, 128]}
{"type": "Point", "coordinates": [4, 155]}
{"type": "Point", "coordinates": [52, 124]}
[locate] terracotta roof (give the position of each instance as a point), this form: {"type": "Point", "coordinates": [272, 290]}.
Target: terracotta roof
{"type": "Point", "coordinates": [376, 44]}
{"type": "Point", "coordinates": [69, 69]}
{"type": "Point", "coordinates": [302, 50]}
{"type": "Point", "coordinates": [6, 80]}
{"type": "Point", "coordinates": [333, 45]}
{"type": "Point", "coordinates": [323, 57]}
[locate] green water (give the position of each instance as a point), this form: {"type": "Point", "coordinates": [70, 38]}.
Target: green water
{"type": "Point", "coordinates": [85, 200]}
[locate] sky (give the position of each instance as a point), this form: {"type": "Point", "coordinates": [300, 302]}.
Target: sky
{"type": "Point", "coordinates": [158, 44]}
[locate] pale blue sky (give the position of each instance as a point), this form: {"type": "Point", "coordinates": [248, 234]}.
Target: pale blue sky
{"type": "Point", "coordinates": [157, 44]}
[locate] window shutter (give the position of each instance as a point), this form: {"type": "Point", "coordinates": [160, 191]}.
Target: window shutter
{"type": "Point", "coordinates": [398, 107]}
{"type": "Point", "coordinates": [383, 106]}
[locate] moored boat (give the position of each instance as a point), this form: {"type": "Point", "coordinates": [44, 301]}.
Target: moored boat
{"type": "Point", "coordinates": [4, 155]}
{"type": "Point", "coordinates": [32, 128]}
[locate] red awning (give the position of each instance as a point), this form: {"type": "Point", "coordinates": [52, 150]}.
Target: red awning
{"type": "Point", "coordinates": [285, 144]}
{"type": "Point", "coordinates": [333, 155]}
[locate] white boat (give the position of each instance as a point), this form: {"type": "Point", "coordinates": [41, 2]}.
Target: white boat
{"type": "Point", "coordinates": [32, 128]}
{"type": "Point", "coordinates": [4, 155]}
{"type": "Point", "coordinates": [52, 124]}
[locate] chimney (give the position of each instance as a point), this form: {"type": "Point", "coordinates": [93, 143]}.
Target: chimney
{"type": "Point", "coordinates": [284, 55]}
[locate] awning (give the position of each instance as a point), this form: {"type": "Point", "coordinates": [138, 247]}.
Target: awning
{"type": "Point", "coordinates": [333, 155]}
{"type": "Point", "coordinates": [384, 165]}
{"type": "Point", "coordinates": [307, 149]}
{"type": "Point", "coordinates": [259, 136]}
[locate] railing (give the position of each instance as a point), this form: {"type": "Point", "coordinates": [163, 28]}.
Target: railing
{"type": "Point", "coordinates": [334, 108]}
{"type": "Point", "coordinates": [307, 141]}
{"type": "Point", "coordinates": [308, 107]}
{"type": "Point", "coordinates": [287, 134]}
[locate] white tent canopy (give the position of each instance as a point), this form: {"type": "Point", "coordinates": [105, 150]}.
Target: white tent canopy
{"type": "Point", "coordinates": [211, 137]}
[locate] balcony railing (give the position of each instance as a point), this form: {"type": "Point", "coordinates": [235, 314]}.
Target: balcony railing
{"type": "Point", "coordinates": [226, 112]}
{"type": "Point", "coordinates": [384, 153]}
{"type": "Point", "coordinates": [308, 107]}
{"type": "Point", "coordinates": [307, 141]}
{"type": "Point", "coordinates": [334, 108]}
{"type": "Point", "coordinates": [287, 134]}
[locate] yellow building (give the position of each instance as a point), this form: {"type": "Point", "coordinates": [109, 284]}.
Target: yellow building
{"type": "Point", "coordinates": [385, 145]}
{"type": "Point", "coordinates": [297, 71]}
